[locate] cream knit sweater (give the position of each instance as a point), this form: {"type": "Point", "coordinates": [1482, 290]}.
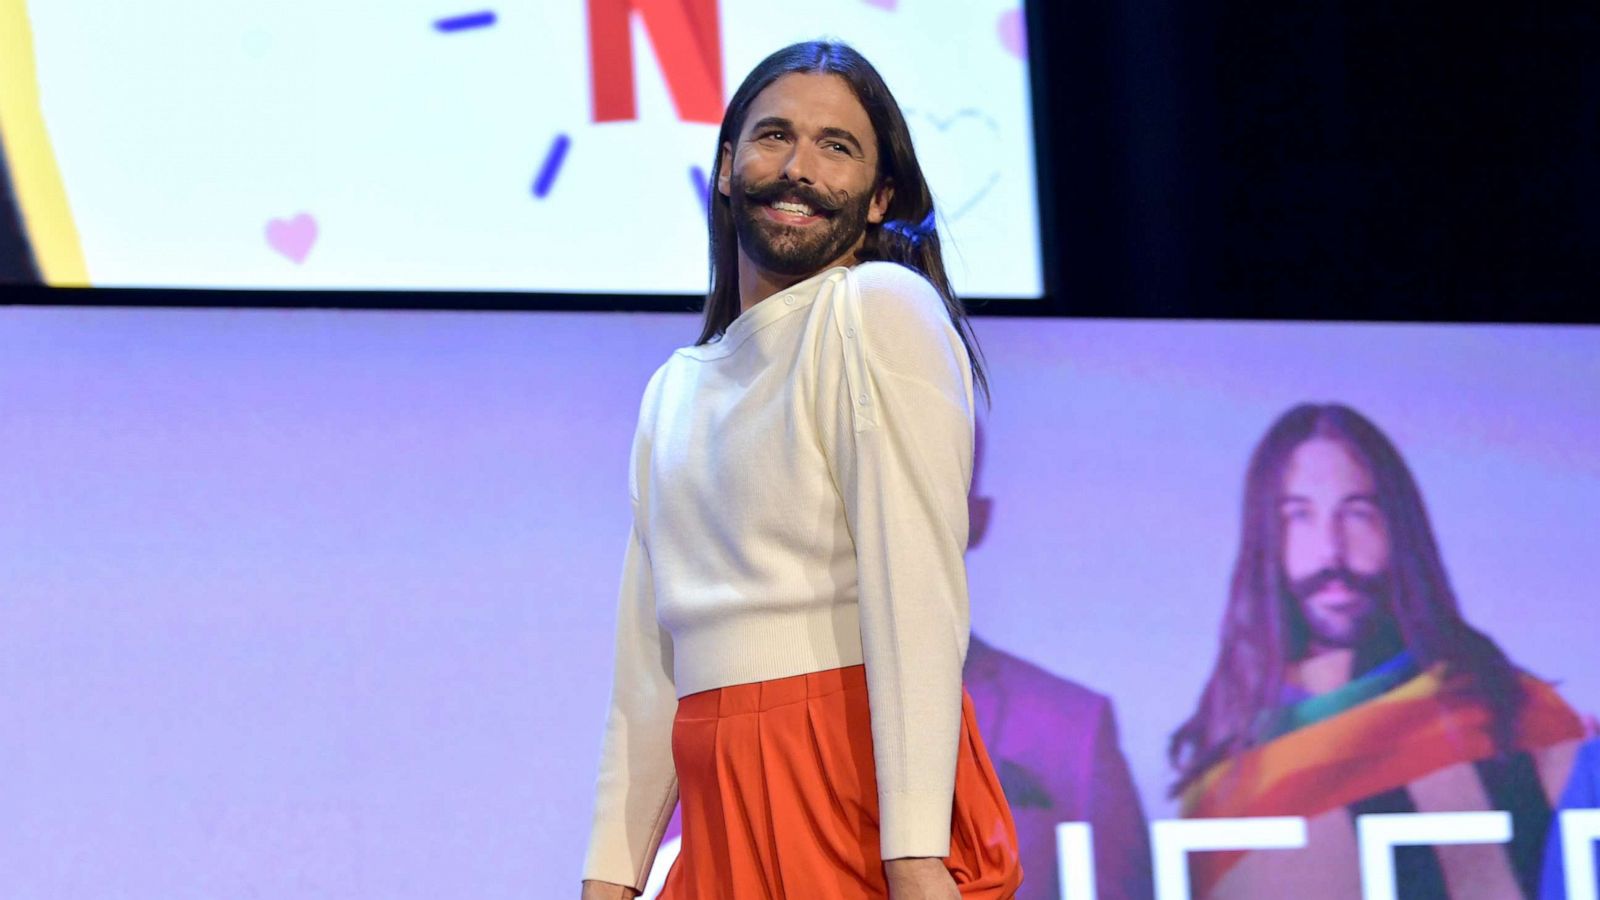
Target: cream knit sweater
{"type": "Point", "coordinates": [799, 503]}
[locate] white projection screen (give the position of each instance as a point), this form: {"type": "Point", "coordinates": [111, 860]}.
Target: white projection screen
{"type": "Point", "coordinates": [497, 145]}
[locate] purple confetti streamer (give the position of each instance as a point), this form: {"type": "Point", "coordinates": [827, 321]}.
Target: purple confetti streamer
{"type": "Point", "coordinates": [702, 185]}
{"type": "Point", "coordinates": [552, 165]}
{"type": "Point", "coordinates": [463, 22]}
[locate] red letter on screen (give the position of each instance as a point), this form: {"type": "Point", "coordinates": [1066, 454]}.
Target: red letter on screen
{"type": "Point", "coordinates": [686, 35]}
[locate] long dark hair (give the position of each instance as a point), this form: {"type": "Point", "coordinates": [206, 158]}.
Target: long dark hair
{"type": "Point", "coordinates": [908, 234]}
{"type": "Point", "coordinates": [1262, 630]}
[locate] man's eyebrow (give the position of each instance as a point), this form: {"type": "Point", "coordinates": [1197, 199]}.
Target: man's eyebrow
{"type": "Point", "coordinates": [1365, 496]}
{"type": "Point", "coordinates": [841, 134]}
{"type": "Point", "coordinates": [772, 122]}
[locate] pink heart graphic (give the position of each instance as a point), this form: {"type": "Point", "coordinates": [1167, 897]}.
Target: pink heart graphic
{"type": "Point", "coordinates": [1013, 32]}
{"type": "Point", "coordinates": [294, 237]}
{"type": "Point", "coordinates": [884, 4]}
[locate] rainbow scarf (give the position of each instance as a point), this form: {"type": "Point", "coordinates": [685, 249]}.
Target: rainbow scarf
{"type": "Point", "coordinates": [1380, 732]}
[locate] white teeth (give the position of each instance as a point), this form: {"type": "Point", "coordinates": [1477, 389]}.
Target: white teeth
{"type": "Point", "coordinates": [799, 209]}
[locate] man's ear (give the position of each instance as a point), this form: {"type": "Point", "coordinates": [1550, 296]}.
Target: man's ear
{"type": "Point", "coordinates": [879, 207]}
{"type": "Point", "coordinates": [725, 171]}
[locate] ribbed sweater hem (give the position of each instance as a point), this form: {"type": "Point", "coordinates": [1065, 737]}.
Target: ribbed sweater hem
{"type": "Point", "coordinates": [774, 644]}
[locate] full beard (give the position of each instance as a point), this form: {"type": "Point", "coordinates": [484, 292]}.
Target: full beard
{"type": "Point", "coordinates": [795, 250]}
{"type": "Point", "coordinates": [1348, 630]}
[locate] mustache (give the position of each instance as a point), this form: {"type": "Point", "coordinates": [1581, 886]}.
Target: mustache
{"type": "Point", "coordinates": [1369, 585]}
{"type": "Point", "coordinates": [774, 191]}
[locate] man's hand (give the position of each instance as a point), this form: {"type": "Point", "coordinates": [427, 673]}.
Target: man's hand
{"type": "Point", "coordinates": [605, 890]}
{"type": "Point", "coordinates": [920, 878]}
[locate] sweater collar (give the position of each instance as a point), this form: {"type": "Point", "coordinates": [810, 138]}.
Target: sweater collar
{"type": "Point", "coordinates": [765, 312]}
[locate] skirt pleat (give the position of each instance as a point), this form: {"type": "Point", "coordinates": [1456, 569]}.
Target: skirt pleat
{"type": "Point", "coordinates": [780, 797]}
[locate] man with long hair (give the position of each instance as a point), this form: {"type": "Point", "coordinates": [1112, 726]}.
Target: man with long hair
{"type": "Point", "coordinates": [793, 613]}
{"type": "Point", "coordinates": [1348, 682]}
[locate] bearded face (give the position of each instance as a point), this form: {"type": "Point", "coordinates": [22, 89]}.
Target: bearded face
{"type": "Point", "coordinates": [795, 229]}
{"type": "Point", "coordinates": [802, 177]}
{"type": "Point", "coordinates": [1336, 546]}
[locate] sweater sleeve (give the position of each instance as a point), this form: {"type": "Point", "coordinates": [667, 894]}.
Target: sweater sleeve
{"type": "Point", "coordinates": [637, 786]}
{"type": "Point", "coordinates": [895, 417]}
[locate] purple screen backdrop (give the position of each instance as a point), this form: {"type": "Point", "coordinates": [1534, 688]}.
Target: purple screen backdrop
{"type": "Point", "coordinates": [318, 604]}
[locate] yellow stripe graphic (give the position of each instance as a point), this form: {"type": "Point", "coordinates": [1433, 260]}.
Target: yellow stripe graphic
{"type": "Point", "coordinates": [35, 177]}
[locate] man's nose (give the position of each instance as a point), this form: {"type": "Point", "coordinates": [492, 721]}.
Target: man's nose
{"type": "Point", "coordinates": [798, 166]}
{"type": "Point", "coordinates": [1333, 543]}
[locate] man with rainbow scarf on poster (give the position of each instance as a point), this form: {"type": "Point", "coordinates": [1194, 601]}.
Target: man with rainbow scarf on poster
{"type": "Point", "coordinates": [1348, 683]}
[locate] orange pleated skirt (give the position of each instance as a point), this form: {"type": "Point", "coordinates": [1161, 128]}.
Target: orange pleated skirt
{"type": "Point", "coordinates": [780, 801]}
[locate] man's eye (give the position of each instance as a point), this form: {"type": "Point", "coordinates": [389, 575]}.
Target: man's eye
{"type": "Point", "coordinates": [839, 147]}
{"type": "Point", "coordinates": [771, 134]}
{"type": "Point", "coordinates": [1362, 513]}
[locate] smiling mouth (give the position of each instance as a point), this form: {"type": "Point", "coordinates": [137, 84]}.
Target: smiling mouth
{"type": "Point", "coordinates": [793, 212]}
